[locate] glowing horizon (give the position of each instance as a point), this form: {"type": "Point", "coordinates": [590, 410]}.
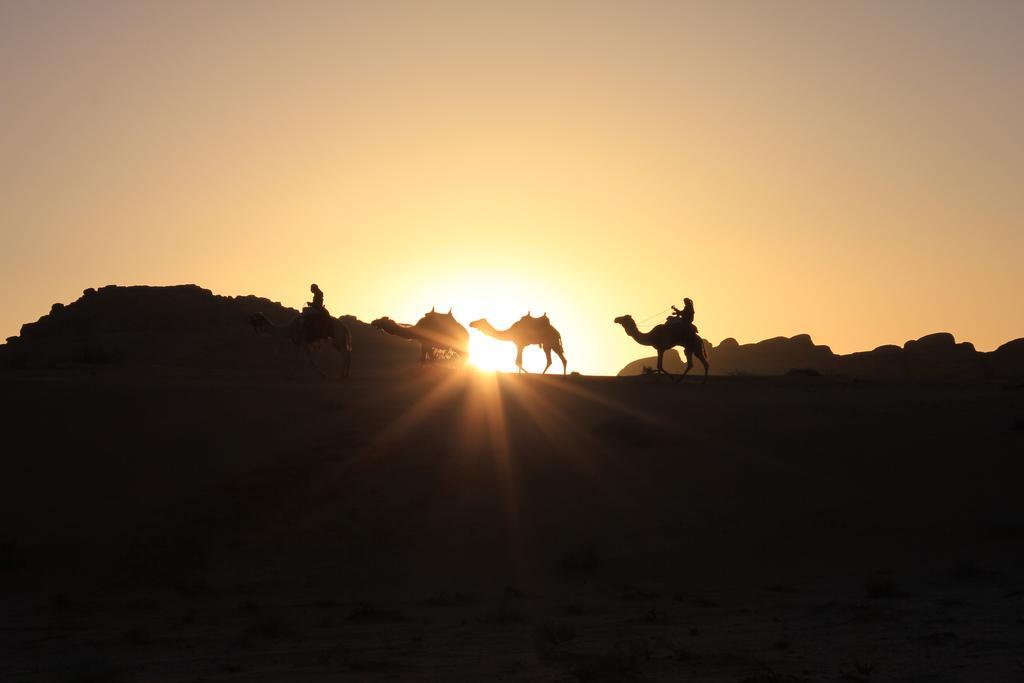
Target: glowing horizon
{"type": "Point", "coordinates": [851, 171]}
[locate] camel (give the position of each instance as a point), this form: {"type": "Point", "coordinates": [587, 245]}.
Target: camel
{"type": "Point", "coordinates": [524, 332]}
{"type": "Point", "coordinates": [306, 336]}
{"type": "Point", "coordinates": [437, 333]}
{"type": "Point", "coordinates": [666, 335]}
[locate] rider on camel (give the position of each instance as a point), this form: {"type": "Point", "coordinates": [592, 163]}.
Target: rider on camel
{"type": "Point", "coordinates": [683, 316]}
{"type": "Point", "coordinates": [318, 298]}
{"type": "Point", "coordinates": [315, 316]}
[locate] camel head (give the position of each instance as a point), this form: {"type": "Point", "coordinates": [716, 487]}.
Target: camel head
{"type": "Point", "coordinates": [380, 323]}
{"type": "Point", "coordinates": [624, 320]}
{"type": "Point", "coordinates": [478, 324]}
{"type": "Point", "coordinates": [260, 323]}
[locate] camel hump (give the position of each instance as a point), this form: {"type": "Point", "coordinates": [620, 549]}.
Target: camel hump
{"type": "Point", "coordinates": [538, 319]}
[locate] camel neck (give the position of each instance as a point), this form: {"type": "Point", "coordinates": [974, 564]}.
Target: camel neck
{"type": "Point", "coordinates": [491, 331]}
{"type": "Point", "coordinates": [633, 331]}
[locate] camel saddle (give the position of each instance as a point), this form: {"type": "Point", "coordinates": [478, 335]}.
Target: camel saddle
{"type": "Point", "coordinates": [680, 323]}
{"type": "Point", "coordinates": [317, 324]}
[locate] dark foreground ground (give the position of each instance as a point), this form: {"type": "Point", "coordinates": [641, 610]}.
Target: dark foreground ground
{"type": "Point", "coordinates": [449, 525]}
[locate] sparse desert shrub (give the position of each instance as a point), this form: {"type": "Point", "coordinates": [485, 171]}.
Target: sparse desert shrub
{"type": "Point", "coordinates": [648, 370]}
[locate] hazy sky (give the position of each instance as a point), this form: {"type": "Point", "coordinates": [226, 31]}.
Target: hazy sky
{"type": "Point", "coordinates": [852, 170]}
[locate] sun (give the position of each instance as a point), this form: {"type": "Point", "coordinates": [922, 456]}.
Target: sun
{"type": "Point", "coordinates": [491, 355]}
{"type": "Point", "coordinates": [501, 300]}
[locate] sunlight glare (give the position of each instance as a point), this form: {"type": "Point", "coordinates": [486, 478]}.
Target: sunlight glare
{"type": "Point", "coordinates": [491, 355]}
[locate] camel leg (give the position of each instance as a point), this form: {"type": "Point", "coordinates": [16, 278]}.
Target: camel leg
{"type": "Point", "coordinates": [562, 357]}
{"type": "Point", "coordinates": [661, 369]}
{"type": "Point", "coordinates": [547, 354]}
{"type": "Point", "coordinates": [689, 364]}
{"type": "Point", "coordinates": [703, 359]}
{"type": "Point", "coordinates": [346, 356]}
{"type": "Point", "coordinates": [519, 359]}
{"type": "Point", "coordinates": [312, 363]}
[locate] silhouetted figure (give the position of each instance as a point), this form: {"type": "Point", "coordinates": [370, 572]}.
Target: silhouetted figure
{"type": "Point", "coordinates": [318, 297]}
{"type": "Point", "coordinates": [306, 334]}
{"type": "Point", "coordinates": [316, 319]}
{"type": "Point", "coordinates": [683, 317]}
{"type": "Point", "coordinates": [685, 314]}
{"type": "Point", "coordinates": [663, 337]}
{"type": "Point", "coordinates": [439, 335]}
{"type": "Point", "coordinates": [524, 332]}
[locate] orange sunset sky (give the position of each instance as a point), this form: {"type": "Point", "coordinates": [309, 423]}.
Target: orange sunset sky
{"type": "Point", "coordinates": [851, 170]}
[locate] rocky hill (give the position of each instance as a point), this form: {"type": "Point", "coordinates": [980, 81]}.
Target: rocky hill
{"type": "Point", "coordinates": [178, 326]}
{"type": "Point", "coordinates": [934, 356]}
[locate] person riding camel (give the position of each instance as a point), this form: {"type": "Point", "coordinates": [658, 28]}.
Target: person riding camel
{"type": "Point", "coordinates": [318, 297]}
{"type": "Point", "coordinates": [683, 316]}
{"type": "Point", "coordinates": [315, 316]}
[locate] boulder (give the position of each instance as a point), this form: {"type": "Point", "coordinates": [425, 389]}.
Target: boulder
{"type": "Point", "coordinates": [938, 356]}
{"type": "Point", "coordinates": [773, 356]}
{"type": "Point", "coordinates": [178, 326]}
{"type": "Point", "coordinates": [935, 356]}
{"type": "Point", "coordinates": [671, 361]}
{"type": "Point", "coordinates": [1007, 362]}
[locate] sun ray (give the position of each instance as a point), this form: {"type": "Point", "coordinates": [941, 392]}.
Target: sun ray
{"type": "Point", "coordinates": [739, 453]}
{"type": "Point", "coordinates": [420, 410]}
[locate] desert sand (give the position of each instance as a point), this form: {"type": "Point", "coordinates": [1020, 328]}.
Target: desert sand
{"type": "Point", "coordinates": [184, 500]}
{"type": "Point", "coordinates": [443, 524]}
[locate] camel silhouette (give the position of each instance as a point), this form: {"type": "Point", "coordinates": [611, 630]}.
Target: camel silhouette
{"type": "Point", "coordinates": [307, 336]}
{"type": "Point", "coordinates": [666, 335]}
{"type": "Point", "coordinates": [438, 334]}
{"type": "Point", "coordinates": [524, 332]}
